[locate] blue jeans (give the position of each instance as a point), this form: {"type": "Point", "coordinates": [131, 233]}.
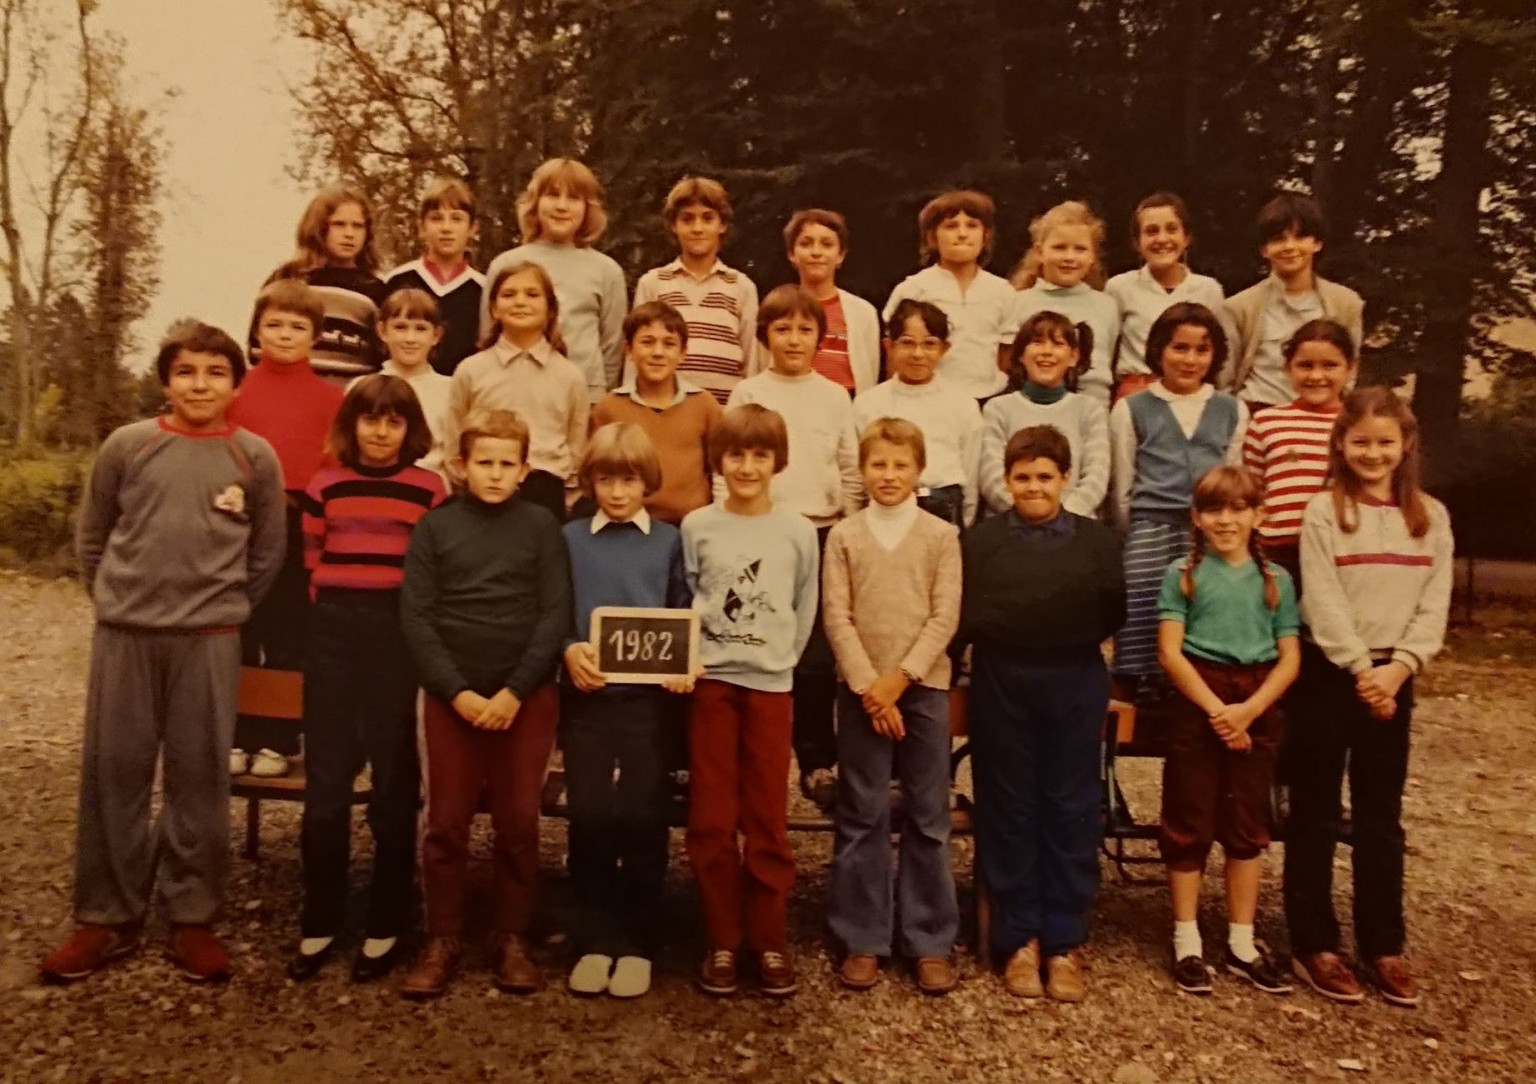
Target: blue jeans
{"type": "Point", "coordinates": [1035, 733]}
{"type": "Point", "coordinates": [861, 909]}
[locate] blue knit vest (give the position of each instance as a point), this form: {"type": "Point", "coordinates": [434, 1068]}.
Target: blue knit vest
{"type": "Point", "coordinates": [1168, 464]}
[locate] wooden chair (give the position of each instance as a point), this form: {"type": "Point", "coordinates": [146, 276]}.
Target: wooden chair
{"type": "Point", "coordinates": [272, 695]}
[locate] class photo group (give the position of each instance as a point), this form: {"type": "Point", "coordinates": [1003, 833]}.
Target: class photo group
{"type": "Point", "coordinates": [1022, 498]}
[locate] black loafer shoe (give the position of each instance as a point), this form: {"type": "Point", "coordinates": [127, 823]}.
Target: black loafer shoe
{"type": "Point", "coordinates": [1263, 972]}
{"type": "Point", "coordinates": [306, 965]}
{"type": "Point", "coordinates": [1192, 975]}
{"type": "Point", "coordinates": [374, 968]}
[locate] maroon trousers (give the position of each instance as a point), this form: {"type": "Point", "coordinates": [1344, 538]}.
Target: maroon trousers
{"type": "Point", "coordinates": [738, 761]}
{"type": "Point", "coordinates": [461, 762]}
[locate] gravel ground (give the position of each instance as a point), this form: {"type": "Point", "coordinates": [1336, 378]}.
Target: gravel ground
{"type": "Point", "coordinates": [1472, 902]}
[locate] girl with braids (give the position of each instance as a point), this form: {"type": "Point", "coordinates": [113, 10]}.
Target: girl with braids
{"type": "Point", "coordinates": [1044, 363]}
{"type": "Point", "coordinates": [1228, 639]}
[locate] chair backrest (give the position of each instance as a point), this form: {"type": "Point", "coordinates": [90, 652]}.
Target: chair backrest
{"type": "Point", "coordinates": [272, 694]}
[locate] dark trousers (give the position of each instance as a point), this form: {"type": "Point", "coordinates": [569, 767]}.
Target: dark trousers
{"type": "Point", "coordinates": [738, 754]}
{"type": "Point", "coordinates": [275, 637]}
{"type": "Point", "coordinates": [815, 691]}
{"type": "Point", "coordinates": [1331, 732]}
{"type": "Point", "coordinates": [359, 708]}
{"type": "Point", "coordinates": [946, 502]}
{"type": "Point", "coordinates": [1036, 727]}
{"type": "Point", "coordinates": [618, 858]}
{"type": "Point", "coordinates": [545, 489]}
{"type": "Point", "coordinates": [462, 763]}
{"type": "Point", "coordinates": [1210, 792]}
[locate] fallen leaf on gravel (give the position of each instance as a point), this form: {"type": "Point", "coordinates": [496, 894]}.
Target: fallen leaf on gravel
{"type": "Point", "coordinates": [1433, 1044]}
{"type": "Point", "coordinates": [1471, 976]}
{"type": "Point", "coordinates": [1300, 1012]}
{"type": "Point", "coordinates": [1354, 1065]}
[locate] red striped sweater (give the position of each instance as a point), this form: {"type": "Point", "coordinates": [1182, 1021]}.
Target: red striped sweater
{"type": "Point", "coordinates": [358, 522]}
{"type": "Point", "coordinates": [1287, 447]}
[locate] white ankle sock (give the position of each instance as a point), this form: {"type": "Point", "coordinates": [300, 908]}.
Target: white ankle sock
{"type": "Point", "coordinates": [1186, 940]}
{"type": "Point", "coordinates": [313, 946]}
{"type": "Point", "coordinates": [1240, 941]}
{"type": "Point", "coordinates": [374, 947]}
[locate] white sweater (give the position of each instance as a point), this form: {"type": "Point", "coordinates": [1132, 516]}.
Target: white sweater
{"type": "Point", "coordinates": [1081, 419]}
{"type": "Point", "coordinates": [951, 425]}
{"type": "Point", "coordinates": [1142, 300]}
{"type": "Point", "coordinates": [863, 339]}
{"type": "Point", "coordinates": [822, 481]}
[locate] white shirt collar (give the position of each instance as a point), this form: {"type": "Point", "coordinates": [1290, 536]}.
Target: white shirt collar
{"type": "Point", "coordinates": [507, 353]}
{"type": "Point", "coordinates": [1203, 392]}
{"type": "Point", "coordinates": [685, 388]}
{"type": "Point", "coordinates": [601, 519]}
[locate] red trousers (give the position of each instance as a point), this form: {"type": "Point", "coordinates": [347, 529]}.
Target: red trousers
{"type": "Point", "coordinates": [460, 763]}
{"type": "Point", "coordinates": [738, 762]}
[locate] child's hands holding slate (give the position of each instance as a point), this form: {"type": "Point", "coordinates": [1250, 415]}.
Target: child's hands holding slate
{"type": "Point", "coordinates": [581, 664]}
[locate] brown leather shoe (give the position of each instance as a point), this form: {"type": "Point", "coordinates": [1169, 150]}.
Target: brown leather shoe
{"type": "Point", "coordinates": [199, 953]}
{"type": "Point", "coordinates": [1021, 975]}
{"type": "Point", "coordinates": [1064, 978]}
{"type": "Point", "coordinates": [89, 948]}
{"type": "Point", "coordinates": [1396, 981]}
{"type": "Point", "coordinates": [1330, 976]}
{"type": "Point", "coordinates": [936, 975]}
{"type": "Point", "coordinates": [859, 972]}
{"type": "Point", "coordinates": [515, 972]}
{"type": "Point", "coordinates": [717, 972]}
{"type": "Point", "coordinates": [776, 974]}
{"type": "Point", "coordinates": [433, 970]}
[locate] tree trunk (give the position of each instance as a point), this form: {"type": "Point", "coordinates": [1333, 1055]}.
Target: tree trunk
{"type": "Point", "coordinates": [1464, 173]}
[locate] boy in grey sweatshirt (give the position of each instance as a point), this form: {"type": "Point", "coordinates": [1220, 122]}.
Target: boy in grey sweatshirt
{"type": "Point", "coordinates": [180, 533]}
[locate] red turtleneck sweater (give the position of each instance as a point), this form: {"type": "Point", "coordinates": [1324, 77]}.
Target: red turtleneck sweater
{"type": "Point", "coordinates": [293, 409]}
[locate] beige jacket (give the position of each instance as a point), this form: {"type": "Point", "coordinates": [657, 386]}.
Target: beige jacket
{"type": "Point", "coordinates": [1247, 311]}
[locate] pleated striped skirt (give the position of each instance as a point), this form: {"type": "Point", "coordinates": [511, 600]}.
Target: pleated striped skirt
{"type": "Point", "coordinates": [1151, 547]}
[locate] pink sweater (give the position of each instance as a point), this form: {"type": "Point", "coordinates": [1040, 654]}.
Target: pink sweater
{"type": "Point", "coordinates": [888, 609]}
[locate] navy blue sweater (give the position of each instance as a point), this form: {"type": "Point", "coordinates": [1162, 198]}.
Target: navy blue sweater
{"type": "Point", "coordinates": [621, 565]}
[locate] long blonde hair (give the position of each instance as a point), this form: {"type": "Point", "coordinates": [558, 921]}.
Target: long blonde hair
{"type": "Point", "coordinates": [1070, 213]}
{"type": "Point", "coordinates": [568, 175]}
{"type": "Point", "coordinates": [1226, 486]}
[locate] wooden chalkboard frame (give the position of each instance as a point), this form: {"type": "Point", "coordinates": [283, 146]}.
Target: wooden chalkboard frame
{"type": "Point", "coordinates": [630, 613]}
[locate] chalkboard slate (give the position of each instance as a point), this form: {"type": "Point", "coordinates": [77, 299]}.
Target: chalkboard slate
{"type": "Point", "coordinates": [636, 645]}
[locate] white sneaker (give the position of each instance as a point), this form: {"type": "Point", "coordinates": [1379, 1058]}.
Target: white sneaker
{"type": "Point", "coordinates": [590, 975]}
{"type": "Point", "coordinates": [239, 762]}
{"type": "Point", "coordinates": [631, 977]}
{"type": "Point", "coordinates": [268, 764]}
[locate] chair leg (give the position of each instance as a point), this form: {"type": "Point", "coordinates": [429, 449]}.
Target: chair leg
{"type": "Point", "coordinates": [252, 828]}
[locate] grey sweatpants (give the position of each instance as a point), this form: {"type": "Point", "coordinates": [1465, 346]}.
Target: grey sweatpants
{"type": "Point", "coordinates": [154, 693]}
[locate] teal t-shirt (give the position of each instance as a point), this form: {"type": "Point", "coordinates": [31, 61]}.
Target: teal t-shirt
{"type": "Point", "coordinates": [1227, 621]}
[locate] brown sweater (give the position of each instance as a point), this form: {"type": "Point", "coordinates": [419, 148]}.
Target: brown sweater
{"type": "Point", "coordinates": [893, 608]}
{"type": "Point", "coordinates": [681, 434]}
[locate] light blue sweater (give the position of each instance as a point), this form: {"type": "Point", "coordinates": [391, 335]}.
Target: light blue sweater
{"type": "Point", "coordinates": [1081, 304]}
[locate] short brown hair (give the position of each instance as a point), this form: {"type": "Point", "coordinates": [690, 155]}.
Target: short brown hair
{"type": "Point", "coordinates": [290, 295]}
{"type": "Point", "coordinates": [705, 190]}
{"type": "Point", "coordinates": [750, 425]}
{"type": "Point", "coordinates": [448, 194]}
{"type": "Point", "coordinates": [373, 395]}
{"type": "Point", "coordinates": [410, 303]}
{"type": "Point", "coordinates": [496, 424]}
{"type": "Point", "coordinates": [894, 431]}
{"type": "Point", "coordinates": [197, 337]}
{"type": "Point", "coordinates": [621, 448]}
{"type": "Point", "coordinates": [815, 216]}
{"type": "Point", "coordinates": [655, 312]}
{"type": "Point", "coordinates": [791, 299]}
{"type": "Point", "coordinates": [947, 205]}
{"type": "Point", "coordinates": [573, 177]}
{"type": "Point", "coordinates": [1038, 442]}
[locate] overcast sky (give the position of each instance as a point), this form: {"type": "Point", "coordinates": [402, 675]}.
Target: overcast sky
{"type": "Point", "coordinates": [230, 209]}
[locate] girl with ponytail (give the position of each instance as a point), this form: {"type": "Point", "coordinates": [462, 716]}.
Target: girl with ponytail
{"type": "Point", "coordinates": [1228, 638]}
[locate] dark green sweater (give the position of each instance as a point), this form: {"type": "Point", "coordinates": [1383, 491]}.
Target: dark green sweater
{"type": "Point", "coordinates": [1043, 592]}
{"type": "Point", "coordinates": [486, 598]}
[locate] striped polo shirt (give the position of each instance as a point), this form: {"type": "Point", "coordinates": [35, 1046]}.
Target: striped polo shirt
{"type": "Point", "coordinates": [358, 522]}
{"type": "Point", "coordinates": [1287, 447]}
{"type": "Point", "coordinates": [721, 312]}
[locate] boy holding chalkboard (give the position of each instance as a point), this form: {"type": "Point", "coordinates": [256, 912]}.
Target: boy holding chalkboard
{"type": "Point", "coordinates": [620, 556]}
{"type": "Point", "coordinates": [752, 568]}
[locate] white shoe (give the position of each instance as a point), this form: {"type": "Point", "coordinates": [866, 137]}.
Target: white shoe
{"type": "Point", "coordinates": [590, 975]}
{"type": "Point", "coordinates": [269, 765]}
{"type": "Point", "coordinates": [239, 762]}
{"type": "Point", "coordinates": [631, 977]}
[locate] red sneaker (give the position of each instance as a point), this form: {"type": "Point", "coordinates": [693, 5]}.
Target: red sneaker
{"type": "Point", "coordinates": [199, 953]}
{"type": "Point", "coordinates": [88, 949]}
